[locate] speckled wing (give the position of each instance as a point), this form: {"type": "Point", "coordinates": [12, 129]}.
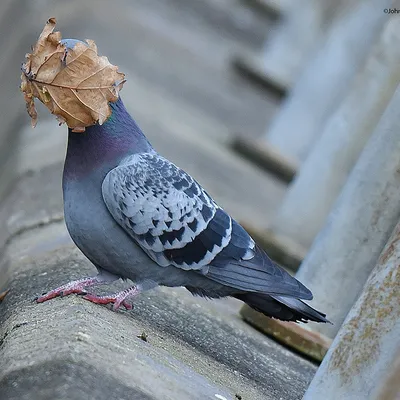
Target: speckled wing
{"type": "Point", "coordinates": [173, 219]}
{"type": "Point", "coordinates": [166, 211]}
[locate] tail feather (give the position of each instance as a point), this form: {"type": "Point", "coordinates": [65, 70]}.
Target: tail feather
{"type": "Point", "coordinates": [283, 308]}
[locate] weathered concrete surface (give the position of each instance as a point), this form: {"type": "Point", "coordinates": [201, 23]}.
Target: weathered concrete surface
{"type": "Point", "coordinates": [293, 335]}
{"type": "Point", "coordinates": [53, 383]}
{"type": "Point", "coordinates": [195, 349]}
{"type": "Point", "coordinates": [310, 197]}
{"type": "Point", "coordinates": [359, 225]}
{"type": "Point", "coordinates": [389, 388]}
{"type": "Point", "coordinates": [368, 342]}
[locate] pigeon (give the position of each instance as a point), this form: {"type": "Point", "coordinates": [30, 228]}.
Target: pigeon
{"type": "Point", "coordinates": [137, 216]}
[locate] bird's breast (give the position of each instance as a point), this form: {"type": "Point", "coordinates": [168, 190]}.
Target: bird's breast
{"type": "Point", "coordinates": [96, 233]}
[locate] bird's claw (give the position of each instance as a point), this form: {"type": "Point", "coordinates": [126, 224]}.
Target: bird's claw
{"type": "Point", "coordinates": [77, 287]}
{"type": "Point", "coordinates": [116, 300]}
{"type": "Point", "coordinates": [59, 292]}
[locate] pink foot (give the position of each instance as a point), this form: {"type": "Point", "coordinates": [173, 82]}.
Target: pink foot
{"type": "Point", "coordinates": [71, 287]}
{"type": "Point", "coordinates": [117, 299]}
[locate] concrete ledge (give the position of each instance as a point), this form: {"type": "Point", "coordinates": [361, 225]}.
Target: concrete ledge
{"type": "Point", "coordinates": [70, 332]}
{"type": "Point", "coordinates": [53, 379]}
{"type": "Point", "coordinates": [251, 68]}
{"type": "Point", "coordinates": [311, 344]}
{"type": "Point", "coordinates": [265, 157]}
{"type": "Point", "coordinates": [27, 207]}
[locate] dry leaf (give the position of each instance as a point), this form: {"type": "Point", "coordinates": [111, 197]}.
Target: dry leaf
{"type": "Point", "coordinates": [74, 84]}
{"type": "Point", "coordinates": [3, 295]}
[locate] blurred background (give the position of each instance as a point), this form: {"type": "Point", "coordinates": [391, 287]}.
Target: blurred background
{"type": "Point", "coordinates": [180, 89]}
{"type": "Point", "coordinates": [286, 111]}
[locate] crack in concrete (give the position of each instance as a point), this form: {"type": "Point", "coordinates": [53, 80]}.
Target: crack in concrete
{"type": "Point", "coordinates": [39, 224]}
{"type": "Point", "coordinates": [16, 326]}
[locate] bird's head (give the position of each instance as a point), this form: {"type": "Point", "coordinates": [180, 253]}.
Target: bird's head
{"type": "Point", "coordinates": [70, 79]}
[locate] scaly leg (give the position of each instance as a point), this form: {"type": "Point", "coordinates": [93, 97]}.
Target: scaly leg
{"type": "Point", "coordinates": [117, 299]}
{"type": "Point", "coordinates": [78, 286]}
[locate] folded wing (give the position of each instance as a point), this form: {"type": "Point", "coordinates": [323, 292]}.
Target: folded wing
{"type": "Point", "coordinates": [172, 218]}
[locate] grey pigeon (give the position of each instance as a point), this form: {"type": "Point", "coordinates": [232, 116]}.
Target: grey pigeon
{"type": "Point", "coordinates": [135, 215]}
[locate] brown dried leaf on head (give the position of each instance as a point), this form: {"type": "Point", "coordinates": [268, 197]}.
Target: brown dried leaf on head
{"type": "Point", "coordinates": [75, 84]}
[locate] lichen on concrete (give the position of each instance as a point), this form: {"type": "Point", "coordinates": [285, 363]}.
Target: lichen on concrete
{"type": "Point", "coordinates": [377, 313]}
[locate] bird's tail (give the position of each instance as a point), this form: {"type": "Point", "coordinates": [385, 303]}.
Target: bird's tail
{"type": "Point", "coordinates": [283, 308]}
